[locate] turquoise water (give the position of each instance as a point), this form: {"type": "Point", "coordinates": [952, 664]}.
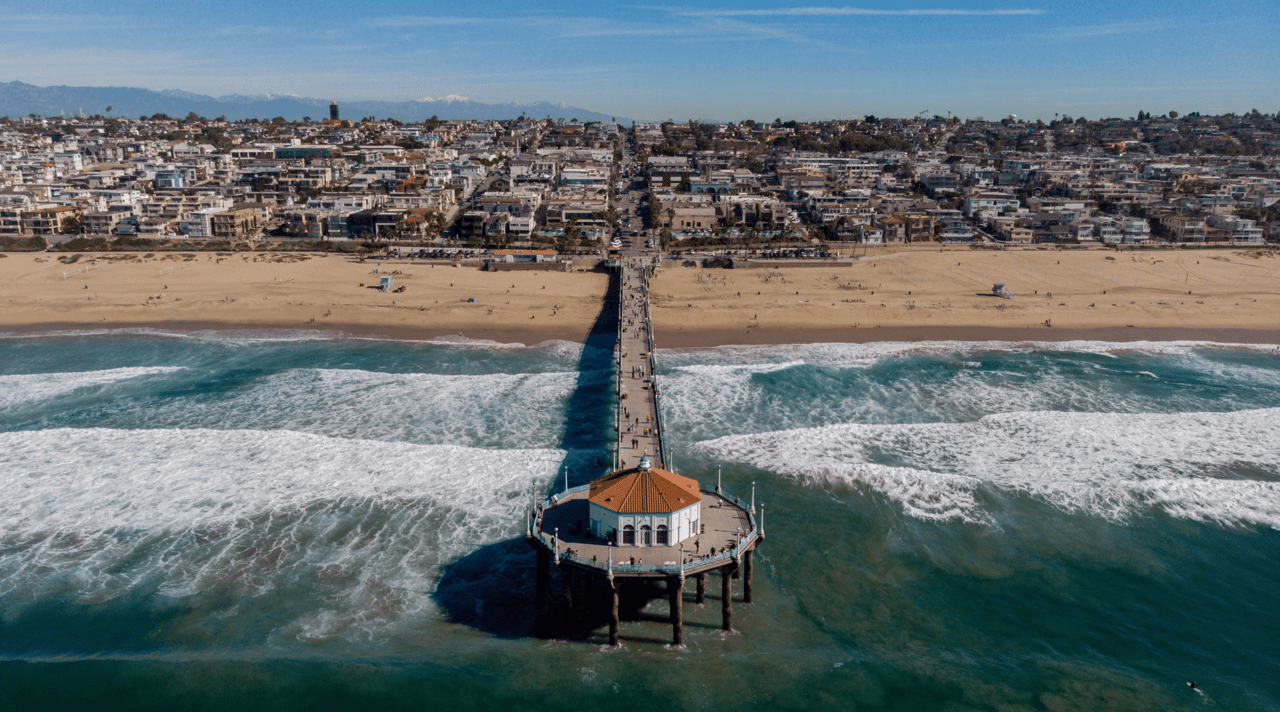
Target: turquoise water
{"type": "Point", "coordinates": [239, 521]}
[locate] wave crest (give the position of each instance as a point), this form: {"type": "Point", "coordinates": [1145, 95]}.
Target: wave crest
{"type": "Point", "coordinates": [1219, 467]}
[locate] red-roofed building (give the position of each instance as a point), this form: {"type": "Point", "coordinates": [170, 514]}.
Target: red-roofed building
{"type": "Point", "coordinates": [645, 506]}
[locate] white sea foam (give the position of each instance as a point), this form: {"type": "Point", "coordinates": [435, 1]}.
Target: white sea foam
{"type": "Point", "coordinates": [697, 390]}
{"type": "Point", "coordinates": [1230, 371]}
{"type": "Point", "coordinates": [36, 387]}
{"type": "Point", "coordinates": [751, 389]}
{"type": "Point", "coordinates": [243, 336]}
{"type": "Point", "coordinates": [737, 369]}
{"type": "Point", "coordinates": [1218, 467]}
{"type": "Point", "coordinates": [838, 354]}
{"type": "Point", "coordinates": [255, 337]}
{"type": "Point", "coordinates": [509, 410]}
{"type": "Point", "coordinates": [358, 528]}
{"type": "Point", "coordinates": [733, 398]}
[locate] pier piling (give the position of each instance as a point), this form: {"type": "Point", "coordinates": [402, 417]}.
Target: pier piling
{"type": "Point", "coordinates": [566, 579]}
{"type": "Point", "coordinates": [726, 597]}
{"type": "Point", "coordinates": [675, 588]}
{"type": "Point", "coordinates": [613, 613]}
{"type": "Point", "coordinates": [544, 580]}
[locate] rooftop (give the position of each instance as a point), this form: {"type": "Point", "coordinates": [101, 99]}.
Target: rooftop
{"type": "Point", "coordinates": [644, 491]}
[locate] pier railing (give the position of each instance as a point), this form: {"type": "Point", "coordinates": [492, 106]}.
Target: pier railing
{"type": "Point", "coordinates": [555, 497]}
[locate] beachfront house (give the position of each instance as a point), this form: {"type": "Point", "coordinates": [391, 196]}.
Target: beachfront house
{"type": "Point", "coordinates": [994, 202]}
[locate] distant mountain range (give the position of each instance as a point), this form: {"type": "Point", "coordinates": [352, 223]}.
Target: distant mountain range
{"type": "Point", "coordinates": [21, 99]}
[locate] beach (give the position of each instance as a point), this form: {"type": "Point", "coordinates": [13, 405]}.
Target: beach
{"type": "Point", "coordinates": [889, 295]}
{"type": "Point", "coordinates": [909, 295]}
{"type": "Point", "coordinates": [296, 291]}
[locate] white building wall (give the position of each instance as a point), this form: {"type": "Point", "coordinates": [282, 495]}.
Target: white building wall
{"type": "Point", "coordinates": [681, 525]}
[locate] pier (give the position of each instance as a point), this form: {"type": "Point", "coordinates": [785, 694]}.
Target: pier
{"type": "Point", "coordinates": [639, 422]}
{"type": "Point", "coordinates": [641, 523]}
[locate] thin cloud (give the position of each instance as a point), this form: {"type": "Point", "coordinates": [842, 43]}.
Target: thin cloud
{"type": "Point", "coordinates": [241, 30]}
{"type": "Point", "coordinates": [710, 29]}
{"type": "Point", "coordinates": [40, 18]}
{"type": "Point", "coordinates": [1120, 28]}
{"type": "Point", "coordinates": [856, 11]}
{"type": "Point", "coordinates": [412, 21]}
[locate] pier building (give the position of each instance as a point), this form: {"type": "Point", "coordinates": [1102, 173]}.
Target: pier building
{"type": "Point", "coordinates": [644, 507]}
{"type": "Point", "coordinates": [641, 522]}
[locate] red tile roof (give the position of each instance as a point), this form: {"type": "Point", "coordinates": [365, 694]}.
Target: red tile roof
{"type": "Point", "coordinates": [644, 492]}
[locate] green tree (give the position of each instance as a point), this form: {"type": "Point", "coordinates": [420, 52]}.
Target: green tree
{"type": "Point", "coordinates": [73, 225]}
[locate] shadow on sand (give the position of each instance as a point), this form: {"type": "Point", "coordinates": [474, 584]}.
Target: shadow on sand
{"type": "Point", "coordinates": [492, 588]}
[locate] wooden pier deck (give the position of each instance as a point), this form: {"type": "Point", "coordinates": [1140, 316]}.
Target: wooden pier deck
{"type": "Point", "coordinates": [638, 421]}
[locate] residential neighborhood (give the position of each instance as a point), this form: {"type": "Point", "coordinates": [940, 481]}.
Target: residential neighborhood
{"type": "Point", "coordinates": [577, 186]}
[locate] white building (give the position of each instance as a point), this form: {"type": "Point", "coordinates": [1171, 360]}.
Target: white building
{"type": "Point", "coordinates": [198, 224]}
{"type": "Point", "coordinates": [995, 202]}
{"type": "Point", "coordinates": [645, 507]}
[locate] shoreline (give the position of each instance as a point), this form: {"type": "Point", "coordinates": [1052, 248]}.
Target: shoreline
{"type": "Point", "coordinates": [666, 339]}
{"type": "Point", "coordinates": [961, 334]}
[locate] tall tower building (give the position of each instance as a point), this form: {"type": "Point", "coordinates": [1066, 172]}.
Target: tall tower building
{"type": "Point", "coordinates": [333, 111]}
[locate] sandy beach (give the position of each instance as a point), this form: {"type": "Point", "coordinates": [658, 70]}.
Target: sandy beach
{"type": "Point", "coordinates": [946, 295]}
{"type": "Point", "coordinates": [295, 291]}
{"type": "Point", "coordinates": [895, 295]}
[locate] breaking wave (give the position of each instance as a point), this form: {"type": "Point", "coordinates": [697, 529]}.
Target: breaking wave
{"type": "Point", "coordinates": [25, 389]}
{"type": "Point", "coordinates": [356, 530]}
{"type": "Point", "coordinates": [1211, 467]}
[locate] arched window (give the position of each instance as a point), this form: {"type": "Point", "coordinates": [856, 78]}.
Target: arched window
{"type": "Point", "coordinates": [629, 535]}
{"type": "Point", "coordinates": [646, 535]}
{"type": "Point", "coordinates": [663, 538]}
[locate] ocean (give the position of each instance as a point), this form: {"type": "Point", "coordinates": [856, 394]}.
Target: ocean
{"type": "Point", "coordinates": [284, 521]}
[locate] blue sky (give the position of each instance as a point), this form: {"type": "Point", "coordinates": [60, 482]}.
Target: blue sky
{"type": "Point", "coordinates": [713, 60]}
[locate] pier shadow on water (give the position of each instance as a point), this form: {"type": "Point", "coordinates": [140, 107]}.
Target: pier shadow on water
{"type": "Point", "coordinates": [492, 588]}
